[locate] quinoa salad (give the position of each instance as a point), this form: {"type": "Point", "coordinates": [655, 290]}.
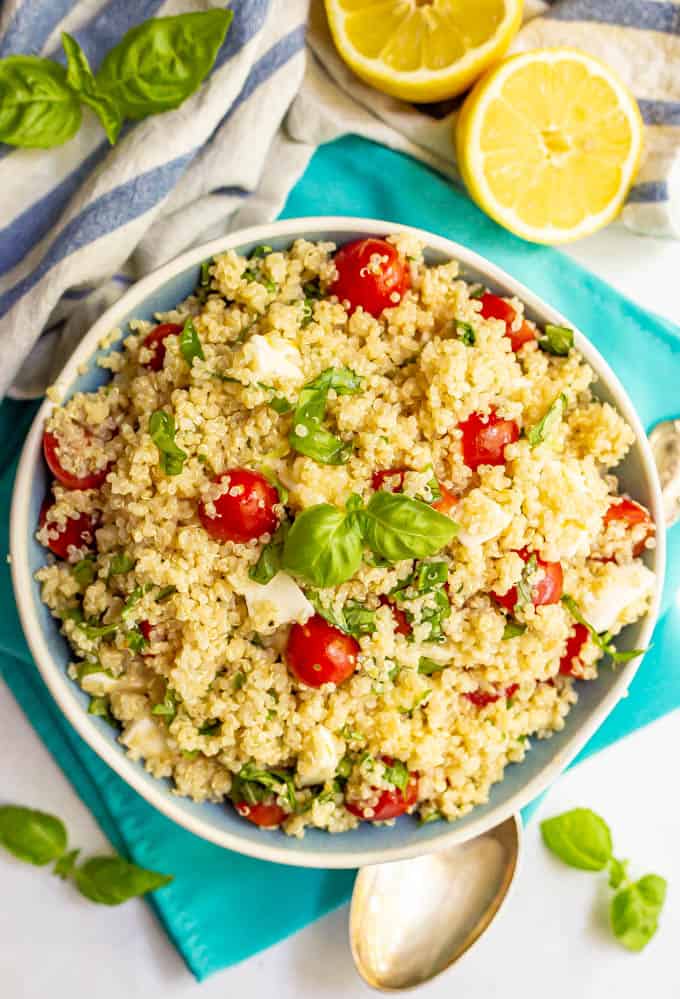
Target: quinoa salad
{"type": "Point", "coordinates": [340, 537]}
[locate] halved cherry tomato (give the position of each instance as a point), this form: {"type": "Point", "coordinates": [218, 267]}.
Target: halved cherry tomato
{"type": "Point", "coordinates": [401, 622]}
{"type": "Point", "coordinates": [485, 439]}
{"type": "Point", "coordinates": [319, 653]}
{"type": "Point", "coordinates": [68, 479]}
{"type": "Point", "coordinates": [267, 815]}
{"type": "Point", "coordinates": [631, 513]}
{"type": "Point", "coordinates": [371, 274]}
{"type": "Point", "coordinates": [146, 629]}
{"type": "Point", "coordinates": [379, 479]}
{"type": "Point", "coordinates": [78, 532]}
{"type": "Point", "coordinates": [154, 341]}
{"type": "Point", "coordinates": [480, 698]}
{"type": "Point", "coordinates": [570, 660]}
{"type": "Point", "coordinates": [391, 803]}
{"type": "Point", "coordinates": [494, 307]}
{"type": "Point", "coordinates": [244, 511]}
{"type": "Point", "coordinates": [447, 501]}
{"type": "Point", "coordinates": [547, 591]}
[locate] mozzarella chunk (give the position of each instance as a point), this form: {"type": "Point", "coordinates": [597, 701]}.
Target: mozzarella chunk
{"type": "Point", "coordinates": [318, 761]}
{"type": "Point", "coordinates": [99, 684]}
{"type": "Point", "coordinates": [480, 518]}
{"type": "Point", "coordinates": [272, 356]}
{"type": "Point", "coordinates": [620, 589]}
{"type": "Point", "coordinates": [143, 739]}
{"type": "Point", "coordinates": [280, 601]}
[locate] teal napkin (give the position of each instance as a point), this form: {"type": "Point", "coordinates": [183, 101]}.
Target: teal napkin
{"type": "Point", "coordinates": [212, 910]}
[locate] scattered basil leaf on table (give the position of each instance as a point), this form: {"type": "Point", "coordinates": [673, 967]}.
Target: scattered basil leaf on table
{"type": "Point", "coordinates": [80, 78]}
{"type": "Point", "coordinates": [557, 340]}
{"type": "Point", "coordinates": [635, 911]}
{"type": "Point", "coordinates": [38, 109]}
{"type": "Point", "coordinates": [112, 880]}
{"type": "Point", "coordinates": [546, 426]}
{"type": "Point", "coordinates": [580, 838]}
{"type": "Point", "coordinates": [162, 433]}
{"type": "Point", "coordinates": [63, 867]}
{"type": "Point", "coordinates": [189, 344]}
{"type": "Point", "coordinates": [324, 546]}
{"type": "Point", "coordinates": [398, 527]}
{"type": "Point", "coordinates": [30, 835]}
{"type": "Point", "coordinates": [618, 872]}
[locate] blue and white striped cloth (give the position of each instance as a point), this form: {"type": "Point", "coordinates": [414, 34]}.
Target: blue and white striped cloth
{"type": "Point", "coordinates": [79, 223]}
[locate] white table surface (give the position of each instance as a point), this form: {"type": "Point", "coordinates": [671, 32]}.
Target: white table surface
{"type": "Point", "coordinates": [550, 939]}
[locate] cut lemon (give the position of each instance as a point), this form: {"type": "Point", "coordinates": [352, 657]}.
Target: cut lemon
{"type": "Point", "coordinates": [548, 144]}
{"type": "Point", "coordinates": [422, 50]}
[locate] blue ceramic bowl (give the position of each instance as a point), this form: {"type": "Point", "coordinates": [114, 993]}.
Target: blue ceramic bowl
{"type": "Point", "coordinates": [366, 844]}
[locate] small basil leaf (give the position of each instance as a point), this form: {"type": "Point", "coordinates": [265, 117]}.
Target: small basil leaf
{"type": "Point", "coordinates": [136, 641]}
{"type": "Point", "coordinates": [428, 666]}
{"type": "Point", "coordinates": [79, 76]}
{"type": "Point", "coordinates": [38, 109]}
{"type": "Point", "coordinates": [165, 593]}
{"type": "Point", "coordinates": [32, 836]}
{"type": "Point", "coordinates": [308, 437]}
{"type": "Point", "coordinates": [261, 251]}
{"type": "Point", "coordinates": [635, 911]}
{"type": "Point", "coordinates": [65, 864]}
{"type": "Point", "coordinates": [513, 629]}
{"type": "Point", "coordinates": [160, 63]}
{"type": "Point", "coordinates": [162, 433]}
{"type": "Point", "coordinates": [167, 708]}
{"type": "Point", "coordinates": [319, 444]}
{"type": "Point", "coordinates": [84, 572]}
{"type": "Point", "coordinates": [524, 588]}
{"type": "Point", "coordinates": [397, 773]}
{"type": "Point", "coordinates": [189, 343]}
{"type": "Point", "coordinates": [580, 838]}
{"type": "Point", "coordinates": [269, 562]}
{"type": "Point", "coordinates": [545, 427]}
{"type": "Point", "coordinates": [557, 340]}
{"type": "Point", "coordinates": [120, 564]}
{"type": "Point", "coordinates": [112, 880]}
{"type": "Point", "coordinates": [324, 545]}
{"type": "Point", "coordinates": [397, 527]}
{"type": "Point", "coordinates": [466, 333]}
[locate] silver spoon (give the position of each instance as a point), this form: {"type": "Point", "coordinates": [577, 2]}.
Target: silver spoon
{"type": "Point", "coordinates": [413, 919]}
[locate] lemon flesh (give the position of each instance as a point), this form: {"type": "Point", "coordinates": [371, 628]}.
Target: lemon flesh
{"type": "Point", "coordinates": [422, 50]}
{"type": "Point", "coordinates": [549, 143]}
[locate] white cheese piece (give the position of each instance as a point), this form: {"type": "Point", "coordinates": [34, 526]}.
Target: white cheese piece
{"type": "Point", "coordinates": [280, 601]}
{"type": "Point", "coordinates": [144, 739]}
{"type": "Point", "coordinates": [273, 357]}
{"type": "Point", "coordinates": [621, 588]}
{"type": "Point", "coordinates": [99, 684]}
{"type": "Point", "coordinates": [480, 518]}
{"type": "Point", "coordinates": [319, 758]}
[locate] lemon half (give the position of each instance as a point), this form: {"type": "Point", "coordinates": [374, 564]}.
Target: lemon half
{"type": "Point", "coordinates": [422, 50]}
{"type": "Point", "coordinates": [548, 144]}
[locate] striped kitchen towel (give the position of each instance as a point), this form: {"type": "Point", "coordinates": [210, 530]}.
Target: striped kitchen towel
{"type": "Point", "coordinates": [80, 222]}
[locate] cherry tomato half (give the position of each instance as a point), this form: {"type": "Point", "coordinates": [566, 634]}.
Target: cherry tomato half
{"type": "Point", "coordinates": [480, 698]}
{"type": "Point", "coordinates": [547, 591]}
{"type": "Point", "coordinates": [631, 513]}
{"type": "Point", "coordinates": [244, 511]}
{"type": "Point", "coordinates": [78, 532]}
{"type": "Point", "coordinates": [68, 479]}
{"type": "Point", "coordinates": [154, 342]}
{"type": "Point", "coordinates": [391, 803]}
{"type": "Point", "coordinates": [389, 478]}
{"type": "Point", "coordinates": [494, 307]}
{"type": "Point", "coordinates": [267, 815]}
{"type": "Point", "coordinates": [485, 439]}
{"type": "Point", "coordinates": [401, 622]}
{"type": "Point", "coordinates": [319, 653]}
{"type": "Point", "coordinates": [569, 663]}
{"type": "Point", "coordinates": [371, 274]}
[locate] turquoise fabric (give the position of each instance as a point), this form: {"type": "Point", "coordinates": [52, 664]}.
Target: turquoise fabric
{"type": "Point", "coordinates": [214, 909]}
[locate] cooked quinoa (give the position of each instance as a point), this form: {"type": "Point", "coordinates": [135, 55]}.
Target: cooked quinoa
{"type": "Point", "coordinates": [458, 662]}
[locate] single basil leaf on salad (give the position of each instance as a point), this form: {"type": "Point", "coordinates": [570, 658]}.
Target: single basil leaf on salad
{"type": "Point", "coordinates": [38, 109]}
{"type": "Point", "coordinates": [580, 838]}
{"type": "Point", "coordinates": [162, 433]}
{"type": "Point", "coordinates": [324, 546]}
{"type": "Point", "coordinates": [557, 340]}
{"type": "Point", "coordinates": [189, 343]}
{"type": "Point", "coordinates": [80, 77]}
{"type": "Point", "coordinates": [32, 836]}
{"type": "Point", "coordinates": [269, 562]}
{"type": "Point", "coordinates": [635, 911]}
{"type": "Point", "coordinates": [112, 880]}
{"type": "Point", "coordinates": [397, 527]}
{"type": "Point", "coordinates": [160, 63]}
{"type": "Point", "coordinates": [546, 426]}
{"type": "Point", "coordinates": [307, 436]}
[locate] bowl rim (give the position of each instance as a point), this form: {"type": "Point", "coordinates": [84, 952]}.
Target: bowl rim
{"type": "Point", "coordinates": [58, 683]}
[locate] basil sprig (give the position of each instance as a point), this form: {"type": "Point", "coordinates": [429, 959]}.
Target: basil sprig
{"type": "Point", "coordinates": [39, 838]}
{"type": "Point", "coordinates": [162, 433]}
{"type": "Point", "coordinates": [154, 68]}
{"type": "Point", "coordinates": [582, 839]}
{"type": "Point", "coordinates": [546, 426]}
{"type": "Point", "coordinates": [603, 641]}
{"type": "Point", "coordinates": [557, 340]}
{"type": "Point", "coordinates": [307, 435]}
{"type": "Point", "coordinates": [189, 344]}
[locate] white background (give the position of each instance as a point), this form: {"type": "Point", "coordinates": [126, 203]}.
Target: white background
{"type": "Point", "coordinates": [551, 938]}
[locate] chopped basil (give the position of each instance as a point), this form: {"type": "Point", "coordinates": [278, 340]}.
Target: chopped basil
{"type": "Point", "coordinates": [524, 587]}
{"type": "Point", "coordinates": [99, 706]}
{"type": "Point", "coordinates": [189, 754]}
{"type": "Point", "coordinates": [162, 433]}
{"type": "Point", "coordinates": [312, 289]}
{"type": "Point", "coordinates": [428, 666]}
{"type": "Point", "coordinates": [270, 476]}
{"type": "Point", "coordinates": [168, 706]}
{"type": "Point", "coordinates": [269, 562]}
{"type": "Point", "coordinates": [477, 292]}
{"type": "Point", "coordinates": [72, 614]}
{"type": "Point", "coordinates": [418, 700]}
{"type": "Point", "coordinates": [94, 631]}
{"type": "Point", "coordinates": [350, 734]}
{"type": "Point", "coordinates": [239, 680]}
{"type": "Point", "coordinates": [466, 333]}
{"type": "Point", "coordinates": [307, 436]}
{"type": "Point", "coordinates": [204, 279]}
{"type": "Point", "coordinates": [354, 618]}
{"type": "Point", "coordinates": [84, 572]}
{"type": "Point", "coordinates": [189, 343]}
{"type": "Point", "coordinates": [430, 817]}
{"type": "Point", "coordinates": [431, 575]}
{"type": "Point", "coordinates": [603, 641]}
{"type": "Point", "coordinates": [513, 629]}
{"type": "Point", "coordinates": [545, 427]}
{"type": "Point", "coordinates": [278, 403]}
{"type": "Point", "coordinates": [120, 564]}
{"type": "Point", "coordinates": [164, 593]}
{"type": "Point", "coordinates": [210, 728]}
{"type": "Point", "coordinates": [557, 340]}
{"type": "Point", "coordinates": [87, 669]}
{"type": "Point", "coordinates": [344, 768]}
{"type": "Point", "coordinates": [136, 640]}
{"type": "Point", "coordinates": [257, 785]}
{"type": "Point", "coordinates": [260, 251]}
{"type": "Point", "coordinates": [397, 773]}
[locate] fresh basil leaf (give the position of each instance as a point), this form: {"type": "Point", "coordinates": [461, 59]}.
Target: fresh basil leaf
{"type": "Point", "coordinates": [84, 572]}
{"type": "Point", "coordinates": [162, 433]}
{"type": "Point", "coordinates": [89, 668]}
{"type": "Point", "coordinates": [239, 680]}
{"type": "Point", "coordinates": [63, 867]}
{"type": "Point", "coordinates": [359, 619]}
{"type": "Point", "coordinates": [546, 426]}
{"type": "Point", "coordinates": [635, 911]}
{"type": "Point", "coordinates": [167, 708]}
{"type": "Point", "coordinates": [277, 781]}
{"type": "Point", "coordinates": [189, 343]}
{"type": "Point", "coordinates": [120, 564]}
{"type": "Point", "coordinates": [319, 444]}
{"type": "Point", "coordinates": [580, 838]}
{"type": "Point", "coordinates": [131, 602]}
{"type": "Point", "coordinates": [324, 546]}
{"type": "Point", "coordinates": [466, 333]}
{"type": "Point", "coordinates": [269, 562]}
{"type": "Point", "coordinates": [94, 631]}
{"type": "Point", "coordinates": [432, 575]}
{"type": "Point", "coordinates": [38, 109]}
{"type": "Point", "coordinates": [161, 62]}
{"type": "Point", "coordinates": [397, 527]}
{"type": "Point", "coordinates": [80, 78]}
{"type": "Point", "coordinates": [112, 880]}
{"type": "Point", "coordinates": [136, 641]}
{"type": "Point", "coordinates": [557, 340]}
{"type": "Point", "coordinates": [278, 403]}
{"type": "Point", "coordinates": [603, 641]}
{"type": "Point", "coordinates": [436, 615]}
{"type": "Point", "coordinates": [428, 666]}
{"type": "Point", "coordinates": [618, 872]}
{"type": "Point", "coordinates": [397, 773]}
{"type": "Point", "coordinates": [513, 629]}
{"type": "Point", "coordinates": [327, 613]}
{"type": "Point", "coordinates": [307, 436]}
{"type": "Point", "coordinates": [30, 835]}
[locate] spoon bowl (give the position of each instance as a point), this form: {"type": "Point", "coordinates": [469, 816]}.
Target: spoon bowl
{"type": "Point", "coordinates": [412, 919]}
